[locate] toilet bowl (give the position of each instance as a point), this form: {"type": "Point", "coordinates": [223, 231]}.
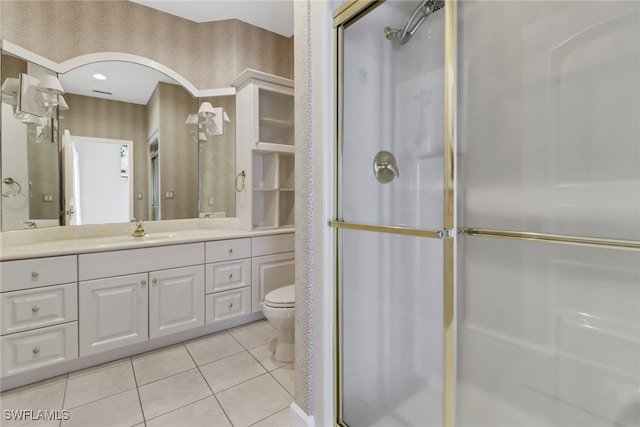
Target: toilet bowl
{"type": "Point", "coordinates": [279, 308]}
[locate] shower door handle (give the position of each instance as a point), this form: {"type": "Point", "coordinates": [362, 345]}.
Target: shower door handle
{"type": "Point", "coordinates": [385, 168]}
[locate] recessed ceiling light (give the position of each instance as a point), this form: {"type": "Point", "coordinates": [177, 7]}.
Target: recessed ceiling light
{"type": "Point", "coordinates": [99, 76]}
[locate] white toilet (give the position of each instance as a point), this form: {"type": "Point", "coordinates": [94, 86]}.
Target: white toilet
{"type": "Point", "coordinates": [280, 309]}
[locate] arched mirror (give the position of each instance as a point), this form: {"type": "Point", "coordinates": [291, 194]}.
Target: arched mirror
{"type": "Point", "coordinates": [126, 142]}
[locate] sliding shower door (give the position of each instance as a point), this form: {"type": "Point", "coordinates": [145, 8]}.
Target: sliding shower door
{"type": "Point", "coordinates": [391, 218]}
{"type": "Point", "coordinates": [549, 283]}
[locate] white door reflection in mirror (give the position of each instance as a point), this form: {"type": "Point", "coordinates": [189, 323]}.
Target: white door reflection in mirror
{"type": "Point", "coordinates": [98, 187]}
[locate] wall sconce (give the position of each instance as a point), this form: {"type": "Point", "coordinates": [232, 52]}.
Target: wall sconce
{"type": "Point", "coordinates": [38, 97]}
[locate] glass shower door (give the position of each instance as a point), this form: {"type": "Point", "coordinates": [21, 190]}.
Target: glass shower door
{"type": "Point", "coordinates": [390, 220]}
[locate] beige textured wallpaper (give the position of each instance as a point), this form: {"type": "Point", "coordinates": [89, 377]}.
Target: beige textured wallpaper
{"type": "Point", "coordinates": [218, 163]}
{"type": "Point", "coordinates": [208, 54]}
{"type": "Point", "coordinates": [102, 118]}
{"type": "Point", "coordinates": [178, 154]}
{"type": "Point", "coordinates": [42, 158]}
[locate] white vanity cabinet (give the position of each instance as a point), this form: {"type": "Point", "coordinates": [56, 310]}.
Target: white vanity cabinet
{"type": "Point", "coordinates": [228, 279]}
{"type": "Point", "coordinates": [164, 295]}
{"type": "Point", "coordinates": [38, 320]}
{"type": "Point", "coordinates": [113, 313]}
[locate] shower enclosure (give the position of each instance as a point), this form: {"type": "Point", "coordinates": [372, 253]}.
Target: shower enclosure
{"type": "Point", "coordinates": [488, 213]}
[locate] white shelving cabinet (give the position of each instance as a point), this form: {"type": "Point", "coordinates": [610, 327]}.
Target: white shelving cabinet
{"type": "Point", "coordinates": [265, 150]}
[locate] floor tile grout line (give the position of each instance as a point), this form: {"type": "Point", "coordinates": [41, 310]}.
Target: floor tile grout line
{"type": "Point", "coordinates": [168, 376]}
{"type": "Point", "coordinates": [135, 379]}
{"type": "Point", "coordinates": [277, 412]}
{"type": "Point", "coordinates": [209, 385]}
{"type": "Point", "coordinates": [102, 398]}
{"type": "Point", "coordinates": [101, 367]}
{"type": "Point", "coordinates": [176, 409]}
{"type": "Point", "coordinates": [64, 395]}
{"type": "Point", "coordinates": [282, 385]}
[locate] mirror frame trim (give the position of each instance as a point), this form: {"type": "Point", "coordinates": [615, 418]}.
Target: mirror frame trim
{"type": "Point", "coordinates": [81, 60]}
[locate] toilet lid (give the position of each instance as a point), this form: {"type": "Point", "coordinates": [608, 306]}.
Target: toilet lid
{"type": "Point", "coordinates": [282, 297]}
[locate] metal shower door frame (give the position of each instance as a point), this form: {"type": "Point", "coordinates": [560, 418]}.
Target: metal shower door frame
{"type": "Point", "coordinates": [347, 14]}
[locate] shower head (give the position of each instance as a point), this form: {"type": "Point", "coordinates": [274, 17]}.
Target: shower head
{"type": "Point", "coordinates": [424, 9]}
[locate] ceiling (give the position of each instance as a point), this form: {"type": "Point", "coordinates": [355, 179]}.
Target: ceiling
{"type": "Point", "coordinates": [272, 15]}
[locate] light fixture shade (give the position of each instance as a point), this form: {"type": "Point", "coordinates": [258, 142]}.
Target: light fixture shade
{"type": "Point", "coordinates": [50, 84]}
{"type": "Point", "coordinates": [62, 103]}
{"type": "Point", "coordinates": [33, 120]}
{"type": "Point", "coordinates": [192, 119]}
{"type": "Point", "coordinates": [206, 109]}
{"type": "Point", "coordinates": [10, 86]}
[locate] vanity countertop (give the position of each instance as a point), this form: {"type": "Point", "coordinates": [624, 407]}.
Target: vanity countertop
{"type": "Point", "coordinates": [89, 239]}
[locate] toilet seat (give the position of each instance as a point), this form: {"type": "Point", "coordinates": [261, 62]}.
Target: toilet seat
{"type": "Point", "coordinates": [283, 297]}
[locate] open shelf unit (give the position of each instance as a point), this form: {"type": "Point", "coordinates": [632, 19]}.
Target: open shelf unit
{"type": "Point", "coordinates": [265, 150]}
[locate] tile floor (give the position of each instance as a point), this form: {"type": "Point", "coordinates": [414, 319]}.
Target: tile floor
{"type": "Point", "coordinates": [225, 379]}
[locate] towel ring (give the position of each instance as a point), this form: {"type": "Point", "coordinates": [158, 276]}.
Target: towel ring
{"type": "Point", "coordinates": [242, 175]}
{"type": "Point", "coordinates": [11, 181]}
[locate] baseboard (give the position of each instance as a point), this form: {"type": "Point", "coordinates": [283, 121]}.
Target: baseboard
{"type": "Point", "coordinates": [299, 418]}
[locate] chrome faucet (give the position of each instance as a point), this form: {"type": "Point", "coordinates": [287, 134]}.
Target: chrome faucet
{"type": "Point", "coordinates": [139, 231]}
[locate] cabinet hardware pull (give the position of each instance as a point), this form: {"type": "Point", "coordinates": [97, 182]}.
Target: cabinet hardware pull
{"type": "Point", "coordinates": [143, 282]}
{"type": "Point", "coordinates": [34, 274]}
{"type": "Point", "coordinates": [230, 250]}
{"type": "Point", "coordinates": [154, 281]}
{"type": "Point", "coordinates": [230, 275]}
{"type": "Point", "coordinates": [35, 309]}
{"type": "Point", "coordinates": [36, 350]}
{"type": "Point", "coordinates": [230, 305]}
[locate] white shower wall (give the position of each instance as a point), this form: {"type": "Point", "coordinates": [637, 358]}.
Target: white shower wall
{"type": "Point", "coordinates": [549, 101]}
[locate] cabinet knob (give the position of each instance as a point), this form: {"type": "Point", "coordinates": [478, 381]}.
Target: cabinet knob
{"type": "Point", "coordinates": [35, 309]}
{"type": "Point", "coordinates": [230, 275]}
{"type": "Point", "coordinates": [154, 281]}
{"type": "Point", "coordinates": [35, 274]}
{"type": "Point", "coordinates": [230, 250]}
{"type": "Point", "coordinates": [230, 305]}
{"type": "Point", "coordinates": [36, 350]}
{"type": "Point", "coordinates": [143, 282]}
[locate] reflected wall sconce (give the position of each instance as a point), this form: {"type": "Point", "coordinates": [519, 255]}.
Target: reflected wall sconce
{"type": "Point", "coordinates": [29, 96]}
{"type": "Point", "coordinates": [39, 97]}
{"type": "Point", "coordinates": [208, 122]}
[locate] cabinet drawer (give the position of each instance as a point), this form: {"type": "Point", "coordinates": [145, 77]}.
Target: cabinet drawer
{"type": "Point", "coordinates": [130, 261]}
{"type": "Point", "coordinates": [33, 273]}
{"type": "Point", "coordinates": [35, 308]}
{"type": "Point", "coordinates": [267, 245]}
{"type": "Point", "coordinates": [226, 250]}
{"type": "Point", "coordinates": [225, 305]}
{"type": "Point", "coordinates": [29, 350]}
{"type": "Point", "coordinates": [223, 276]}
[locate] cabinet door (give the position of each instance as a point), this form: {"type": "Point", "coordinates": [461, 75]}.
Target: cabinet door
{"type": "Point", "coordinates": [113, 313]}
{"type": "Point", "coordinates": [176, 300]}
{"type": "Point", "coordinates": [268, 273]}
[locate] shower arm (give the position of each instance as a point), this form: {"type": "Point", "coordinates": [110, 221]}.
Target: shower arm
{"type": "Point", "coordinates": [413, 16]}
